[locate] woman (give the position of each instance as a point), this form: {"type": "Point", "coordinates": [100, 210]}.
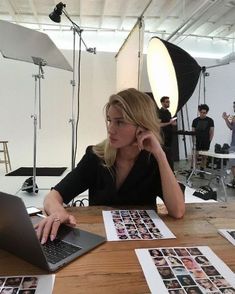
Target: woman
{"type": "Point", "coordinates": [189, 263]}
{"type": "Point", "coordinates": [129, 167]}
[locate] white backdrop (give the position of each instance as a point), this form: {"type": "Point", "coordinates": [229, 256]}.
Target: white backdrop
{"type": "Point", "coordinates": [98, 81]}
{"type": "Point", "coordinates": [129, 60]}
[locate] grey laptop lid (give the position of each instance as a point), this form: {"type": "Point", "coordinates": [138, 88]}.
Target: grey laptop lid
{"type": "Point", "coordinates": [17, 235]}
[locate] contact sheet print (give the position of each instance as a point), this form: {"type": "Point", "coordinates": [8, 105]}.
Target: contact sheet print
{"type": "Point", "coordinates": [185, 270]}
{"type": "Point", "coordinates": [27, 284]}
{"type": "Point", "coordinates": [135, 225]}
{"type": "Point", "coordinates": [229, 234]}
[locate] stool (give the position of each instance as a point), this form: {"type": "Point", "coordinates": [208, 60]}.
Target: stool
{"type": "Point", "coordinates": [5, 152]}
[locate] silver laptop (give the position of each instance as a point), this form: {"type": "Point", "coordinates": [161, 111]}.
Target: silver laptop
{"type": "Point", "coordinates": [18, 236]}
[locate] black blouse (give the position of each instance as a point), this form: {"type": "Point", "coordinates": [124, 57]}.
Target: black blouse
{"type": "Point", "coordinates": [141, 187]}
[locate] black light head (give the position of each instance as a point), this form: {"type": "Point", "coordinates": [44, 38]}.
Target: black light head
{"type": "Point", "coordinates": [91, 50]}
{"type": "Point", "coordinates": [55, 15]}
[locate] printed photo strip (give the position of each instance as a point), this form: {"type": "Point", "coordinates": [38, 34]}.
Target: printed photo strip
{"type": "Point", "coordinates": [186, 270]}
{"type": "Point", "coordinates": [134, 225]}
{"type": "Point", "coordinates": [229, 234]}
{"type": "Point", "coordinates": [27, 284]}
{"type": "Point", "coordinates": [18, 285]}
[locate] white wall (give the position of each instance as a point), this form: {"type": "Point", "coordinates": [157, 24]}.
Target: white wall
{"type": "Point", "coordinates": [98, 82]}
{"type": "Point", "coordinates": [54, 139]}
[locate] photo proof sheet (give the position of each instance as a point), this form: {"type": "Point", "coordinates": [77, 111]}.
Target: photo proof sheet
{"type": "Point", "coordinates": [135, 225]}
{"type": "Point", "coordinates": [229, 234]}
{"type": "Point", "coordinates": [27, 284]}
{"type": "Point", "coordinates": [185, 270]}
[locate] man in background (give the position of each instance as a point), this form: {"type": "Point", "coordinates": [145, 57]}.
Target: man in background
{"type": "Point", "coordinates": [167, 122]}
{"type": "Point", "coordinates": [203, 126]}
{"type": "Point", "coordinates": [230, 122]}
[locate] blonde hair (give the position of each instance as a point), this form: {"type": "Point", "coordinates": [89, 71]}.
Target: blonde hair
{"type": "Point", "coordinates": [137, 108]}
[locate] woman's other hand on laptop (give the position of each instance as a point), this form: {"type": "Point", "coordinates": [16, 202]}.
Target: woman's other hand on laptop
{"type": "Point", "coordinates": [48, 226]}
{"type": "Point", "coordinates": [57, 215]}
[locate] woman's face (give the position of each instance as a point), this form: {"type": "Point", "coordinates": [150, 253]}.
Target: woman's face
{"type": "Point", "coordinates": [120, 133]}
{"type": "Point", "coordinates": [188, 263]}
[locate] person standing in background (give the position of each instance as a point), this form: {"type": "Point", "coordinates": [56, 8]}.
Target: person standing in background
{"type": "Point", "coordinates": [167, 122]}
{"type": "Point", "coordinates": [230, 122]}
{"type": "Point", "coordinates": [203, 126]}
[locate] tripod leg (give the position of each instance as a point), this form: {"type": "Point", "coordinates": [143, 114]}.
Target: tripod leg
{"type": "Point", "coordinates": [34, 153]}
{"type": "Point", "coordinates": [194, 158]}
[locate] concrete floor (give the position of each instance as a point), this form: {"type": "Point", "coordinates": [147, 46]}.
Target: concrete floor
{"type": "Point", "coordinates": [182, 170]}
{"type": "Point", "coordinates": [12, 185]}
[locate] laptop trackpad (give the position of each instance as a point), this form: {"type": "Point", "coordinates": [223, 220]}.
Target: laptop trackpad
{"type": "Point", "coordinates": [68, 234]}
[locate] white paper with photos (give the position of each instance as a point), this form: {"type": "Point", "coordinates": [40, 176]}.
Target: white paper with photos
{"type": "Point", "coordinates": [206, 273]}
{"type": "Point", "coordinates": [229, 234]}
{"type": "Point", "coordinates": [27, 284]}
{"type": "Point", "coordinates": [121, 225]}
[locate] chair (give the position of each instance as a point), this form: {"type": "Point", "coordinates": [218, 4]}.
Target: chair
{"type": "Point", "coordinates": [6, 157]}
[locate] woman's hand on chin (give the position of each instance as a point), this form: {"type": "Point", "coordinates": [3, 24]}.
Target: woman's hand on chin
{"type": "Point", "coordinates": [147, 140]}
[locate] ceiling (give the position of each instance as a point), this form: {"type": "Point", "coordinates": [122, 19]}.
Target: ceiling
{"type": "Point", "coordinates": [206, 28]}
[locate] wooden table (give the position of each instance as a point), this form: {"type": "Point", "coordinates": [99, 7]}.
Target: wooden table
{"type": "Point", "coordinates": [113, 267]}
{"type": "Point", "coordinates": [222, 173]}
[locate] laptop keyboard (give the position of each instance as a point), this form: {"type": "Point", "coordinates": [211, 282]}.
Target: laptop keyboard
{"type": "Point", "coordinates": [58, 250]}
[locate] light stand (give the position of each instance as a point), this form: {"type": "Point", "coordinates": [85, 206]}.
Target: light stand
{"type": "Point", "coordinates": [28, 186]}
{"type": "Point", "coordinates": [194, 161]}
{"type": "Point", "coordinates": [33, 47]}
{"type": "Point", "coordinates": [56, 17]}
{"type": "Point", "coordinates": [205, 74]}
{"type": "Point", "coordinates": [37, 78]}
{"type": "Point", "coordinates": [183, 128]}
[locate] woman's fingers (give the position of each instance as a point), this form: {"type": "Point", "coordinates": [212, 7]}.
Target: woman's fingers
{"type": "Point", "coordinates": [48, 227]}
{"type": "Point", "coordinates": [72, 221]}
{"type": "Point", "coordinates": [54, 228]}
{"type": "Point", "coordinates": [39, 228]}
{"type": "Point", "coordinates": [144, 138]}
{"type": "Point", "coordinates": [139, 136]}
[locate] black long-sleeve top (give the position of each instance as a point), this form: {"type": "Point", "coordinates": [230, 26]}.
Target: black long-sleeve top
{"type": "Point", "coordinates": [141, 187]}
